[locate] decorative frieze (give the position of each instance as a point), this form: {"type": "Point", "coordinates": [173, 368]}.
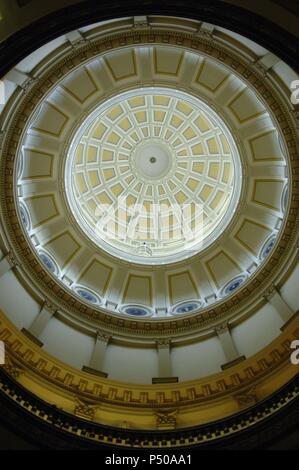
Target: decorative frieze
{"type": "Point", "coordinates": [98, 387]}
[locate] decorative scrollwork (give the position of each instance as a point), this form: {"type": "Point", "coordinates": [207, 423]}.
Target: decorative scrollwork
{"type": "Point", "coordinates": [166, 419]}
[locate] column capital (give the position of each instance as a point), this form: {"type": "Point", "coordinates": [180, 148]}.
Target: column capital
{"type": "Point", "coordinates": [100, 336]}
{"type": "Point", "coordinates": [140, 22]}
{"type": "Point", "coordinates": [272, 289]}
{"type": "Point", "coordinates": [48, 305]}
{"type": "Point", "coordinates": [76, 39]}
{"type": "Point", "coordinates": [29, 83]}
{"type": "Point", "coordinates": [12, 259]}
{"type": "Point", "coordinates": [223, 328]}
{"type": "Point", "coordinates": [206, 31]}
{"type": "Point", "coordinates": [163, 343]}
{"type": "Point", "coordinates": [283, 309]}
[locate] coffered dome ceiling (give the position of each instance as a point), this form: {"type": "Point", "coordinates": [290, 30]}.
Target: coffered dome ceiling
{"type": "Point", "coordinates": [115, 130]}
{"type": "Point", "coordinates": [188, 133]}
{"type": "Point", "coordinates": [146, 155]}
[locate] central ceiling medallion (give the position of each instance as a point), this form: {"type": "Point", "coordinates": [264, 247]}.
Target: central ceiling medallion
{"type": "Point", "coordinates": [153, 176]}
{"type": "Point", "coordinates": [152, 160]}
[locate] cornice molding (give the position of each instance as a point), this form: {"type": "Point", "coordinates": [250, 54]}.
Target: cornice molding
{"type": "Point", "coordinates": [51, 380]}
{"type": "Point", "coordinates": [166, 435]}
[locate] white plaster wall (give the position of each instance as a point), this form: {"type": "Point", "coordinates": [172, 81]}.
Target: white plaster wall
{"type": "Point", "coordinates": [289, 291]}
{"type": "Point", "coordinates": [197, 360]}
{"type": "Point", "coordinates": [67, 344]}
{"type": "Point", "coordinates": [285, 73]}
{"type": "Point", "coordinates": [89, 27]}
{"type": "Point", "coordinates": [9, 89]}
{"type": "Point", "coordinates": [253, 46]}
{"type": "Point", "coordinates": [136, 365]}
{"type": "Point", "coordinates": [15, 301]}
{"type": "Point", "coordinates": [27, 64]}
{"type": "Point", "coordinates": [258, 331]}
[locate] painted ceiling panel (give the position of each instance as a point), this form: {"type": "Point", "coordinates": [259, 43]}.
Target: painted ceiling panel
{"type": "Point", "coordinates": [182, 287]}
{"type": "Point", "coordinates": [64, 247]}
{"type": "Point", "coordinates": [138, 289]}
{"type": "Point", "coordinates": [96, 275]}
{"type": "Point", "coordinates": [222, 268]}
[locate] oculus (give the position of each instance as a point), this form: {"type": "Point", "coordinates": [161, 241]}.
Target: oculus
{"type": "Point", "coordinates": [156, 166]}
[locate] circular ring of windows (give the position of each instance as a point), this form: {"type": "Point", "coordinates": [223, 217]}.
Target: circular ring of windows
{"type": "Point", "coordinates": [232, 285]}
{"type": "Point", "coordinates": [24, 215]}
{"type": "Point", "coordinates": [136, 310]}
{"type": "Point", "coordinates": [186, 307]}
{"type": "Point", "coordinates": [49, 262]}
{"type": "Point", "coordinates": [267, 247]}
{"type": "Point", "coordinates": [284, 198]}
{"type": "Point", "coordinates": [87, 295]}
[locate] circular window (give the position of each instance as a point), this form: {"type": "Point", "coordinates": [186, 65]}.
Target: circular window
{"type": "Point", "coordinates": [87, 295]}
{"type": "Point", "coordinates": [233, 285]}
{"type": "Point", "coordinates": [135, 310]}
{"type": "Point", "coordinates": [267, 247]}
{"type": "Point", "coordinates": [49, 263]}
{"type": "Point", "coordinates": [186, 307]}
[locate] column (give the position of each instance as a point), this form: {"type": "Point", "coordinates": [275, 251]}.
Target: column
{"type": "Point", "coordinates": [74, 37]}
{"type": "Point", "coordinates": [164, 363]}
{"type": "Point", "coordinates": [39, 323]}
{"type": "Point", "coordinates": [268, 61]}
{"type": "Point", "coordinates": [230, 351]}
{"type": "Point", "coordinates": [5, 265]}
{"type": "Point", "coordinates": [140, 21]}
{"type": "Point", "coordinates": [282, 308]}
{"type": "Point", "coordinates": [96, 362]}
{"type": "Point", "coordinates": [18, 78]}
